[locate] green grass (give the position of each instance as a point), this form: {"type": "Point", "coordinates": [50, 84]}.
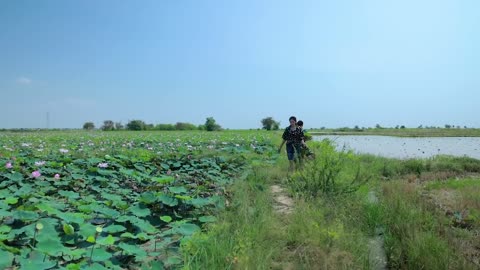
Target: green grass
{"type": "Point", "coordinates": [248, 235]}
{"type": "Point", "coordinates": [459, 184]}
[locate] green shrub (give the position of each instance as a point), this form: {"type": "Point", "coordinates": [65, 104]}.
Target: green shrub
{"type": "Point", "coordinates": [331, 172]}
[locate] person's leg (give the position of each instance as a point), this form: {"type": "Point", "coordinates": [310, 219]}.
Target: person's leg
{"type": "Point", "coordinates": [299, 157]}
{"type": "Point", "coordinates": [291, 157]}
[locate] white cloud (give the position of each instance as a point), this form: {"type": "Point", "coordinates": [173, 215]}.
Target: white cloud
{"type": "Point", "coordinates": [24, 80]}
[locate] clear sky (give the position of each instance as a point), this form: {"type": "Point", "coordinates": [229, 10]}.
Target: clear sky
{"type": "Point", "coordinates": [330, 63]}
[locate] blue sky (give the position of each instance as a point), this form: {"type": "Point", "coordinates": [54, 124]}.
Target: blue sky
{"type": "Point", "coordinates": [330, 63]}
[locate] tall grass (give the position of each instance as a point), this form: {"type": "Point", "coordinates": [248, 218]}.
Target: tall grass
{"type": "Point", "coordinates": [247, 236]}
{"type": "Point", "coordinates": [414, 234]}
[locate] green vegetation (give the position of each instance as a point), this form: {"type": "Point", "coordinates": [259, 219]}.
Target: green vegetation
{"type": "Point", "coordinates": [205, 200]}
{"type": "Point", "coordinates": [87, 200]}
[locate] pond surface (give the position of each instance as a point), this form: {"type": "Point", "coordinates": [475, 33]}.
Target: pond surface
{"type": "Point", "coordinates": [403, 148]}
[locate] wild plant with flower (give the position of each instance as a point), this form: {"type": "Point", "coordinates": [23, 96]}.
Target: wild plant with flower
{"type": "Point", "coordinates": [36, 174]}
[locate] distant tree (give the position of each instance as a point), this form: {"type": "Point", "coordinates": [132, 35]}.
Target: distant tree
{"type": "Point", "coordinates": [108, 125]}
{"type": "Point", "coordinates": [402, 126]}
{"type": "Point", "coordinates": [465, 127]}
{"type": "Point", "coordinates": [269, 123]}
{"type": "Point", "coordinates": [185, 126]}
{"type": "Point", "coordinates": [201, 127]}
{"type": "Point", "coordinates": [397, 127]}
{"type": "Point", "coordinates": [448, 126]}
{"type": "Point", "coordinates": [149, 126]}
{"type": "Point", "coordinates": [378, 126]}
{"type": "Point", "coordinates": [136, 125]}
{"type": "Point", "coordinates": [88, 126]}
{"type": "Point", "coordinates": [119, 126]}
{"type": "Point", "coordinates": [421, 126]}
{"type": "Point", "coordinates": [211, 125]}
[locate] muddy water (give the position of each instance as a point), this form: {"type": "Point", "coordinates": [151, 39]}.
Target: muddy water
{"type": "Point", "coordinates": [403, 148]}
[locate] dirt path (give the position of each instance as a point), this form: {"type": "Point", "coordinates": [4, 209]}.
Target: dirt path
{"type": "Point", "coordinates": [376, 256]}
{"type": "Point", "coordinates": [283, 203]}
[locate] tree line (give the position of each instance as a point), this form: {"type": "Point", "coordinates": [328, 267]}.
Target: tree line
{"type": "Point", "coordinates": [109, 125]}
{"type": "Point", "coordinates": [268, 123]}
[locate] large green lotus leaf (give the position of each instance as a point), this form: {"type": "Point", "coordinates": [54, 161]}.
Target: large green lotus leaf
{"type": "Point", "coordinates": [16, 176]}
{"type": "Point", "coordinates": [140, 210]}
{"type": "Point", "coordinates": [114, 229]}
{"type": "Point", "coordinates": [4, 193]}
{"type": "Point", "coordinates": [35, 261]}
{"type": "Point", "coordinates": [108, 212]}
{"type": "Point", "coordinates": [200, 202]}
{"type": "Point", "coordinates": [173, 260]}
{"type": "Point", "coordinates": [87, 229]}
{"type": "Point", "coordinates": [95, 266]}
{"type": "Point", "coordinates": [71, 217]}
{"type": "Point", "coordinates": [88, 208]}
{"type": "Point", "coordinates": [100, 254]}
{"type": "Point", "coordinates": [168, 200]}
{"type": "Point", "coordinates": [11, 200]}
{"type": "Point", "coordinates": [178, 190]}
{"type": "Point", "coordinates": [4, 213]}
{"type": "Point", "coordinates": [46, 207]}
{"type": "Point", "coordinates": [187, 229]}
{"type": "Point", "coordinates": [127, 172]}
{"type": "Point", "coordinates": [51, 246]}
{"type": "Point", "coordinates": [143, 225]}
{"type": "Point", "coordinates": [6, 259]}
{"type": "Point", "coordinates": [25, 215]}
{"type": "Point", "coordinates": [106, 241]}
{"type": "Point", "coordinates": [69, 194]}
{"type": "Point", "coordinates": [147, 197]}
{"type": "Point", "coordinates": [133, 250]}
{"type": "Point", "coordinates": [25, 191]}
{"type": "Point", "coordinates": [111, 197]}
{"type": "Point", "coordinates": [105, 173]}
{"type": "Point", "coordinates": [163, 180]}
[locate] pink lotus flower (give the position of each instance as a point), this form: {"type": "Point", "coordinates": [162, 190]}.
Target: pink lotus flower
{"type": "Point", "coordinates": [8, 165]}
{"type": "Point", "coordinates": [169, 172]}
{"type": "Point", "coordinates": [36, 174]}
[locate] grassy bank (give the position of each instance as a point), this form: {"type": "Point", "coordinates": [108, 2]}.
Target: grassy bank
{"type": "Point", "coordinates": [333, 218]}
{"type": "Point", "coordinates": [404, 132]}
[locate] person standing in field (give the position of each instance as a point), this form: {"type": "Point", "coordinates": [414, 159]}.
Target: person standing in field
{"type": "Point", "coordinates": [293, 136]}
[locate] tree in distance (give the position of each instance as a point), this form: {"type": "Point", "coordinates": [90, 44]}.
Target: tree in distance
{"type": "Point", "coordinates": [89, 126]}
{"type": "Point", "coordinates": [211, 125]}
{"type": "Point", "coordinates": [108, 125]}
{"type": "Point", "coordinates": [269, 123]}
{"type": "Point", "coordinates": [136, 125]}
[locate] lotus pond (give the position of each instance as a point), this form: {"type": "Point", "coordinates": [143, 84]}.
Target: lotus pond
{"type": "Point", "coordinates": [115, 200]}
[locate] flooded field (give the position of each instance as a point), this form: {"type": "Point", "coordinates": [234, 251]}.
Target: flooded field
{"type": "Point", "coordinates": [404, 148]}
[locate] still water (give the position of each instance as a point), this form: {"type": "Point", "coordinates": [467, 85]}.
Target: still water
{"type": "Point", "coordinates": [397, 147]}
